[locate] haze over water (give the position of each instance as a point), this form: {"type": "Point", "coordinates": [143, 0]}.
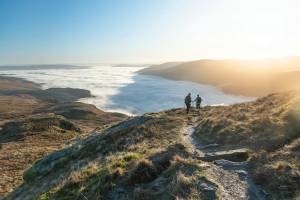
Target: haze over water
{"type": "Point", "coordinates": [121, 89]}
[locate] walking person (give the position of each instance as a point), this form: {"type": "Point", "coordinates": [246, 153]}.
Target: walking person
{"type": "Point", "coordinates": [198, 101]}
{"type": "Point", "coordinates": [188, 101]}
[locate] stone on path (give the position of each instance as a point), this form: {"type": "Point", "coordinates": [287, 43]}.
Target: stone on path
{"type": "Point", "coordinates": [236, 155]}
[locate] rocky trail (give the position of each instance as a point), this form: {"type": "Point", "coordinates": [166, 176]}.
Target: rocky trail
{"type": "Point", "coordinates": [226, 168]}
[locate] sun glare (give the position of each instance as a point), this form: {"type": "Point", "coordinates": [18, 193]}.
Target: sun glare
{"type": "Point", "coordinates": [263, 32]}
{"type": "Point", "coordinates": [254, 29]}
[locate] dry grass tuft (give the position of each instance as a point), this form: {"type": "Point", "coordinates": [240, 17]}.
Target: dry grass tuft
{"type": "Point", "coordinates": [180, 184]}
{"type": "Point", "coordinates": [144, 172]}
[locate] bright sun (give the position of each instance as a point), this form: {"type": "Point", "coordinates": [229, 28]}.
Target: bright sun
{"type": "Point", "coordinates": [254, 29]}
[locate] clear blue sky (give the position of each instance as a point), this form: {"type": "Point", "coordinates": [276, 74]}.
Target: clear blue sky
{"type": "Point", "coordinates": [145, 31]}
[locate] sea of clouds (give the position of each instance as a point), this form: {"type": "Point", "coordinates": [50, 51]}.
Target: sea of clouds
{"type": "Point", "coordinates": [121, 89]}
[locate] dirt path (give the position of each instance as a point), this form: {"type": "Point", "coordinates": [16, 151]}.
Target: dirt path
{"type": "Point", "coordinates": [232, 178]}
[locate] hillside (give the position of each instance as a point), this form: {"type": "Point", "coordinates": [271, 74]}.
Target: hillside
{"type": "Point", "coordinates": [270, 128]}
{"type": "Point", "coordinates": [243, 151]}
{"type": "Point", "coordinates": [241, 77]}
{"type": "Point", "coordinates": [35, 122]}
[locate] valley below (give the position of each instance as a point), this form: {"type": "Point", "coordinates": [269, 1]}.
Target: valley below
{"type": "Point", "coordinates": [120, 88]}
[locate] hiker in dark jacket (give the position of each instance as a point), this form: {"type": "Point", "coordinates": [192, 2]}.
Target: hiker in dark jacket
{"type": "Point", "coordinates": [198, 101]}
{"type": "Point", "coordinates": [188, 101]}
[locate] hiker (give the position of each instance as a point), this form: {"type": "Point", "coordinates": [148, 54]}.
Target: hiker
{"type": "Point", "coordinates": [188, 101]}
{"type": "Point", "coordinates": [198, 101]}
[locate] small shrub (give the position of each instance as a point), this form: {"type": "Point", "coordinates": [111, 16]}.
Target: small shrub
{"type": "Point", "coordinates": [144, 172]}
{"type": "Point", "coordinates": [181, 184]}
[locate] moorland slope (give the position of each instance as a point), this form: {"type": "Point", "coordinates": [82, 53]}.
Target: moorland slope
{"type": "Point", "coordinates": [148, 157]}
{"type": "Point", "coordinates": [36, 122]}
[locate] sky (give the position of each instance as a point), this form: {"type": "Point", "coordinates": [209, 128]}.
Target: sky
{"type": "Point", "coordinates": [146, 31]}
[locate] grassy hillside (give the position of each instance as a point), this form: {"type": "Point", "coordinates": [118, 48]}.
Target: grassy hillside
{"type": "Point", "coordinates": [146, 157]}
{"type": "Point", "coordinates": [142, 158]}
{"type": "Point", "coordinates": [268, 126]}
{"type": "Point", "coordinates": [243, 77]}
{"type": "Point", "coordinates": [31, 127]}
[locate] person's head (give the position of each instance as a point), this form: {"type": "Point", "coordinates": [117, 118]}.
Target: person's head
{"type": "Point", "coordinates": [197, 95]}
{"type": "Point", "coordinates": [189, 94]}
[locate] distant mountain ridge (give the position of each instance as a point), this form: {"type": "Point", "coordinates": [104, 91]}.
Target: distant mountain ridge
{"type": "Point", "coordinates": [39, 67]}
{"type": "Point", "coordinates": [131, 65]}
{"type": "Point", "coordinates": [242, 77]}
